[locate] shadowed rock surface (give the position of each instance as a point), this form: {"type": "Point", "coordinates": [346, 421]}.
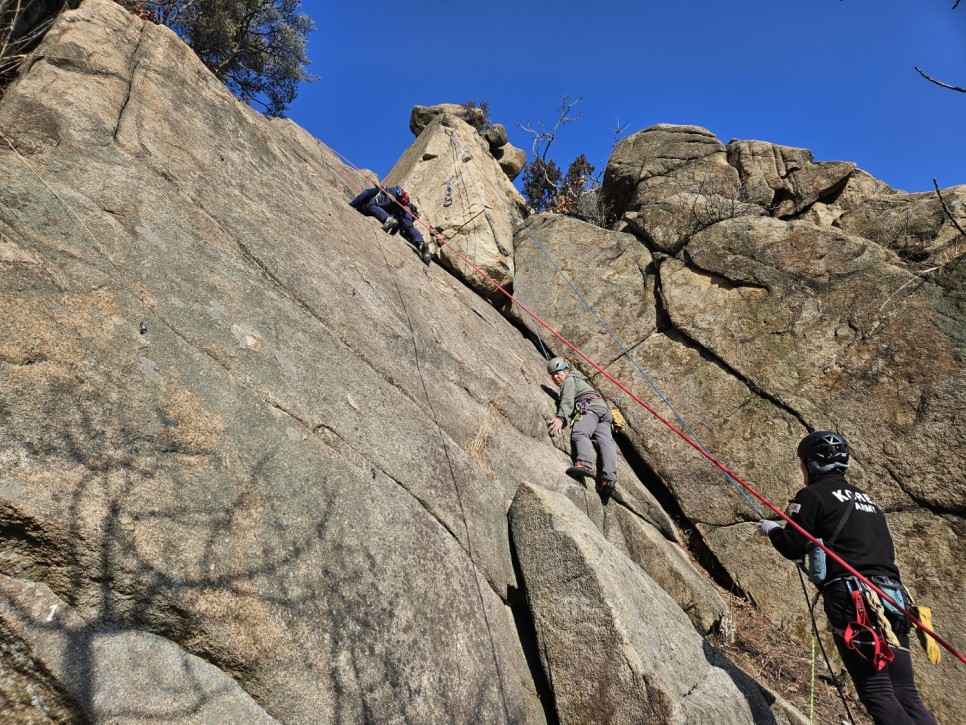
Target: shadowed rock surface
{"type": "Point", "coordinates": [245, 430]}
{"type": "Point", "coordinates": [616, 646]}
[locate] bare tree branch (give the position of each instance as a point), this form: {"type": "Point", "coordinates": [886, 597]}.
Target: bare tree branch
{"type": "Point", "coordinates": [939, 83]}
{"type": "Point", "coordinates": [545, 137]}
{"type": "Point", "coordinates": [16, 38]}
{"type": "Point", "coordinates": [946, 208]}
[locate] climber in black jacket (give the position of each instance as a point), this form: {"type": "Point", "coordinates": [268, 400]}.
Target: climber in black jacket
{"type": "Point", "coordinates": [852, 525]}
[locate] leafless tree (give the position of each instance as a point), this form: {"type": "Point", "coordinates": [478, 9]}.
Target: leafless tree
{"type": "Point", "coordinates": [547, 188]}
{"type": "Point", "coordinates": [543, 137]}
{"type": "Point", "coordinates": [956, 247]}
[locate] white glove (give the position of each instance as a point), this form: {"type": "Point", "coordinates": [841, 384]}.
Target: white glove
{"type": "Point", "coordinates": [765, 526]}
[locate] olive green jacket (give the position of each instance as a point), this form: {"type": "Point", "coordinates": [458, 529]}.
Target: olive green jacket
{"type": "Point", "coordinates": [576, 387]}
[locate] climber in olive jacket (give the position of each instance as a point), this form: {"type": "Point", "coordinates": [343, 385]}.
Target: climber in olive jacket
{"type": "Point", "coordinates": [593, 420]}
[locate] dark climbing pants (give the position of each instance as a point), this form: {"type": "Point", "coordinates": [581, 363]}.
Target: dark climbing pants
{"type": "Point", "coordinates": [374, 210]}
{"type": "Point", "coordinates": [406, 228]}
{"type": "Point", "coordinates": [595, 424]}
{"type": "Point", "coordinates": [888, 694]}
{"type": "Point", "coordinates": [409, 231]}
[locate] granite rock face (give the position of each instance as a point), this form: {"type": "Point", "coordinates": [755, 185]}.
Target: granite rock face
{"type": "Point", "coordinates": [248, 438]}
{"type": "Point", "coordinates": [617, 647]}
{"type": "Point", "coordinates": [667, 182]}
{"type": "Point", "coordinates": [836, 303]}
{"type": "Point", "coordinates": [243, 429]}
{"type": "Point", "coordinates": [782, 179]}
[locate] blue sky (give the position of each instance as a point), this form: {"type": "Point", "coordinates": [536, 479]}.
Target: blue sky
{"type": "Point", "coordinates": [834, 76]}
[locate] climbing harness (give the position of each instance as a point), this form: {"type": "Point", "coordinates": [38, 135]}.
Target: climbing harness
{"type": "Point", "coordinates": [582, 403]}
{"type": "Point", "coordinates": [863, 634]}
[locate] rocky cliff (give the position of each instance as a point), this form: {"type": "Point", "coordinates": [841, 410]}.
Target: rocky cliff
{"type": "Point", "coordinates": [259, 463]}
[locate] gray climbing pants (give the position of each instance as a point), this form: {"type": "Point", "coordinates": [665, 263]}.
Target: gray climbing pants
{"type": "Point", "coordinates": [595, 424]}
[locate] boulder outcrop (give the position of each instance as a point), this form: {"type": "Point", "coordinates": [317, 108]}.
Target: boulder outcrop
{"type": "Point", "coordinates": [782, 179]}
{"type": "Point", "coordinates": [462, 192]}
{"type": "Point", "coordinates": [667, 182]}
{"type": "Point", "coordinates": [608, 660]}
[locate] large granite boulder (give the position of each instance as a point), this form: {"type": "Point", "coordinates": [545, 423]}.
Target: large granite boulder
{"type": "Point", "coordinates": [421, 116]}
{"type": "Point", "coordinates": [782, 179]}
{"type": "Point", "coordinates": [667, 182]}
{"type": "Point", "coordinates": [464, 195]}
{"type": "Point", "coordinates": [511, 159]}
{"type": "Point", "coordinates": [617, 647]}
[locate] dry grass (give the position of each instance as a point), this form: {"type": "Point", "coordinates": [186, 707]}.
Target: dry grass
{"type": "Point", "coordinates": [476, 447]}
{"type": "Point", "coordinates": [766, 653]}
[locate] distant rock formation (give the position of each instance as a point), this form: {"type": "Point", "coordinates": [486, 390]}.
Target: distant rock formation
{"type": "Point", "coordinates": [258, 462]}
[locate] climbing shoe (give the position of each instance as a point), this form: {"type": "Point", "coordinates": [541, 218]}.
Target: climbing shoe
{"type": "Point", "coordinates": [606, 487]}
{"type": "Point", "coordinates": [424, 252]}
{"type": "Point", "coordinates": [390, 224]}
{"type": "Point", "coordinates": [580, 471]}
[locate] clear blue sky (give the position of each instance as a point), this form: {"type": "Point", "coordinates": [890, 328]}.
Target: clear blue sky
{"type": "Point", "coordinates": [834, 76]}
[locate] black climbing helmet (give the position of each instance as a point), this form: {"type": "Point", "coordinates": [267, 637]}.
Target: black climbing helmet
{"type": "Point", "coordinates": [824, 451]}
{"type": "Point", "coordinates": [557, 364]}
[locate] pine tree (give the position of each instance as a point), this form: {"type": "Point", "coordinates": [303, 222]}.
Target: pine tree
{"type": "Point", "coordinates": [255, 47]}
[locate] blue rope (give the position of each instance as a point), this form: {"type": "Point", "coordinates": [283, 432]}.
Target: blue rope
{"type": "Point", "coordinates": [624, 351]}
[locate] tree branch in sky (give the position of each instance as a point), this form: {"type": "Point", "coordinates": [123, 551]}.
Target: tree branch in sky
{"type": "Point", "coordinates": [939, 83]}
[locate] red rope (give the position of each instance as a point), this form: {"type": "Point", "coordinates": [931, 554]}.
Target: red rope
{"type": "Point", "coordinates": [677, 431]}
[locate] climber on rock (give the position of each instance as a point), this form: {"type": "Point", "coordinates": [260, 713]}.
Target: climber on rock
{"type": "Point", "coordinates": [392, 207]}
{"type": "Point", "coordinates": [580, 403]}
{"type": "Point", "coordinates": [849, 522]}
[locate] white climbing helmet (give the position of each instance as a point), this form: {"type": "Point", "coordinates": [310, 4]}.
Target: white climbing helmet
{"type": "Point", "coordinates": [557, 364]}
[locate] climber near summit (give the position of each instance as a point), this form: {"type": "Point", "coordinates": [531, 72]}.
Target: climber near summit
{"type": "Point", "coordinates": [581, 403]}
{"type": "Point", "coordinates": [850, 523]}
{"type": "Point", "coordinates": [393, 208]}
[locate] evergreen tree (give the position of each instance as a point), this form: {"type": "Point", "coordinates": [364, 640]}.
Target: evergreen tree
{"type": "Point", "coordinates": [541, 180]}
{"type": "Point", "coordinates": [579, 179]}
{"type": "Point", "coordinates": [255, 47]}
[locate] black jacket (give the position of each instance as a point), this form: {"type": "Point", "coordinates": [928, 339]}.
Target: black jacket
{"type": "Point", "coordinates": [864, 541]}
